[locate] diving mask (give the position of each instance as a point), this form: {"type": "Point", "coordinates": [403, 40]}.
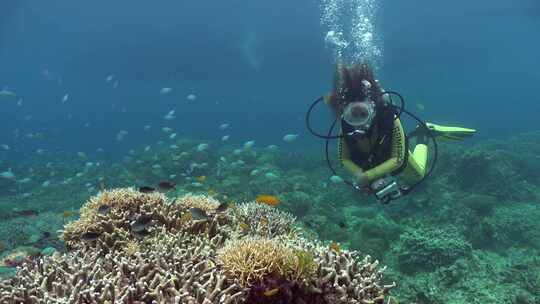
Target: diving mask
{"type": "Point", "coordinates": [360, 115]}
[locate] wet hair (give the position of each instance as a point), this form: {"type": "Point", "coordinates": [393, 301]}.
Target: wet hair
{"type": "Point", "coordinates": [348, 87]}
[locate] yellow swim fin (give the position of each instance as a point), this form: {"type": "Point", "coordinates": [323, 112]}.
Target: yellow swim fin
{"type": "Point", "coordinates": [452, 133]}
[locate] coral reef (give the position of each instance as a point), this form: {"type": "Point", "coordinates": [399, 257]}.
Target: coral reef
{"type": "Point", "coordinates": [168, 257]}
{"type": "Point", "coordinates": [276, 272]}
{"type": "Point", "coordinates": [251, 260]}
{"type": "Point", "coordinates": [115, 216]}
{"type": "Point", "coordinates": [508, 225]}
{"type": "Point", "coordinates": [495, 167]}
{"type": "Point", "coordinates": [203, 202]}
{"type": "Point", "coordinates": [168, 269]}
{"type": "Point", "coordinates": [261, 219]}
{"type": "Point", "coordinates": [428, 249]}
{"type": "Point", "coordinates": [469, 234]}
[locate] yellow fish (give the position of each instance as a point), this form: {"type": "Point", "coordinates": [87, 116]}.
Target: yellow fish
{"type": "Point", "coordinates": [243, 226]}
{"type": "Point", "coordinates": [186, 217]}
{"type": "Point", "coordinates": [271, 292]}
{"type": "Point", "coordinates": [201, 178]}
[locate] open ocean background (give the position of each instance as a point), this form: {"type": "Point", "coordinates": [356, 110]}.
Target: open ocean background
{"type": "Point", "coordinates": [254, 65]}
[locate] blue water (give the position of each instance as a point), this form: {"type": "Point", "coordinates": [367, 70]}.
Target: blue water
{"type": "Point", "coordinates": [254, 64]}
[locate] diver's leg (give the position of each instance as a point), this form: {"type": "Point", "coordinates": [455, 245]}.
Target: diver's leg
{"type": "Point", "coordinates": [415, 170]}
{"type": "Point", "coordinates": [420, 155]}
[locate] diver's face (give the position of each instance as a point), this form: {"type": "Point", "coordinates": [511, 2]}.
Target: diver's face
{"type": "Point", "coordinates": [359, 113]}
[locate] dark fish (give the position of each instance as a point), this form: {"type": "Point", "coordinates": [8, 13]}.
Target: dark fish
{"type": "Point", "coordinates": [90, 236]}
{"type": "Point", "coordinates": [197, 214]}
{"type": "Point", "coordinates": [222, 207]}
{"type": "Point", "coordinates": [45, 240]}
{"type": "Point", "coordinates": [141, 223]}
{"type": "Point", "coordinates": [166, 185]}
{"type": "Point", "coordinates": [342, 224]}
{"type": "Point", "coordinates": [141, 233]}
{"type": "Point", "coordinates": [104, 209]}
{"type": "Point", "coordinates": [146, 189]}
{"type": "Point", "coordinates": [26, 212]}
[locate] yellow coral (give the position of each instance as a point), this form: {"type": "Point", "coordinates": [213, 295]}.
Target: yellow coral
{"type": "Point", "coordinates": [250, 260]}
{"type": "Point", "coordinates": [132, 247]}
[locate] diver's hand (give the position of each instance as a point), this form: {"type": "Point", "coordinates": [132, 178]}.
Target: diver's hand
{"type": "Point", "coordinates": [362, 183]}
{"type": "Point", "coordinates": [361, 180]}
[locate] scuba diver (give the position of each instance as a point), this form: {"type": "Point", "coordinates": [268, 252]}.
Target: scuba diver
{"type": "Point", "coordinates": [373, 145]}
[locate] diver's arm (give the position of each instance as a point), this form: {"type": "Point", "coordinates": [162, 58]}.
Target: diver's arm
{"type": "Point", "coordinates": [346, 159]}
{"type": "Point", "coordinates": [397, 155]}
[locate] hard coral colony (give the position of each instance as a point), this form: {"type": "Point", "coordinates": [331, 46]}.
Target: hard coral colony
{"type": "Point", "coordinates": [182, 260]}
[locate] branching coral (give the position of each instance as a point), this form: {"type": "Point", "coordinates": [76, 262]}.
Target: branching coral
{"type": "Point", "coordinates": [343, 278]}
{"type": "Point", "coordinates": [250, 260]}
{"type": "Point", "coordinates": [116, 216]}
{"type": "Point", "coordinates": [171, 269]}
{"type": "Point", "coordinates": [130, 247]}
{"type": "Point", "coordinates": [272, 269]}
{"type": "Point", "coordinates": [263, 220]}
{"type": "Point", "coordinates": [204, 202]}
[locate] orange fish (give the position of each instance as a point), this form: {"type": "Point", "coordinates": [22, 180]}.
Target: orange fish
{"type": "Point", "coordinates": [335, 247]}
{"type": "Point", "coordinates": [267, 199]}
{"type": "Point", "coordinates": [201, 178]}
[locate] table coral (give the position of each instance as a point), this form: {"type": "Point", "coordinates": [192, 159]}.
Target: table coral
{"type": "Point", "coordinates": [262, 219]}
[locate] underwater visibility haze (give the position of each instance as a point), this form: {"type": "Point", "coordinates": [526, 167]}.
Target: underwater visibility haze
{"type": "Point", "coordinates": [179, 151]}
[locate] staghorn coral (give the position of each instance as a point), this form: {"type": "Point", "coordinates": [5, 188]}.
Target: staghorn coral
{"type": "Point", "coordinates": [263, 220]}
{"type": "Point", "coordinates": [250, 260]}
{"type": "Point", "coordinates": [343, 278]}
{"type": "Point", "coordinates": [288, 273]}
{"type": "Point", "coordinates": [170, 269]}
